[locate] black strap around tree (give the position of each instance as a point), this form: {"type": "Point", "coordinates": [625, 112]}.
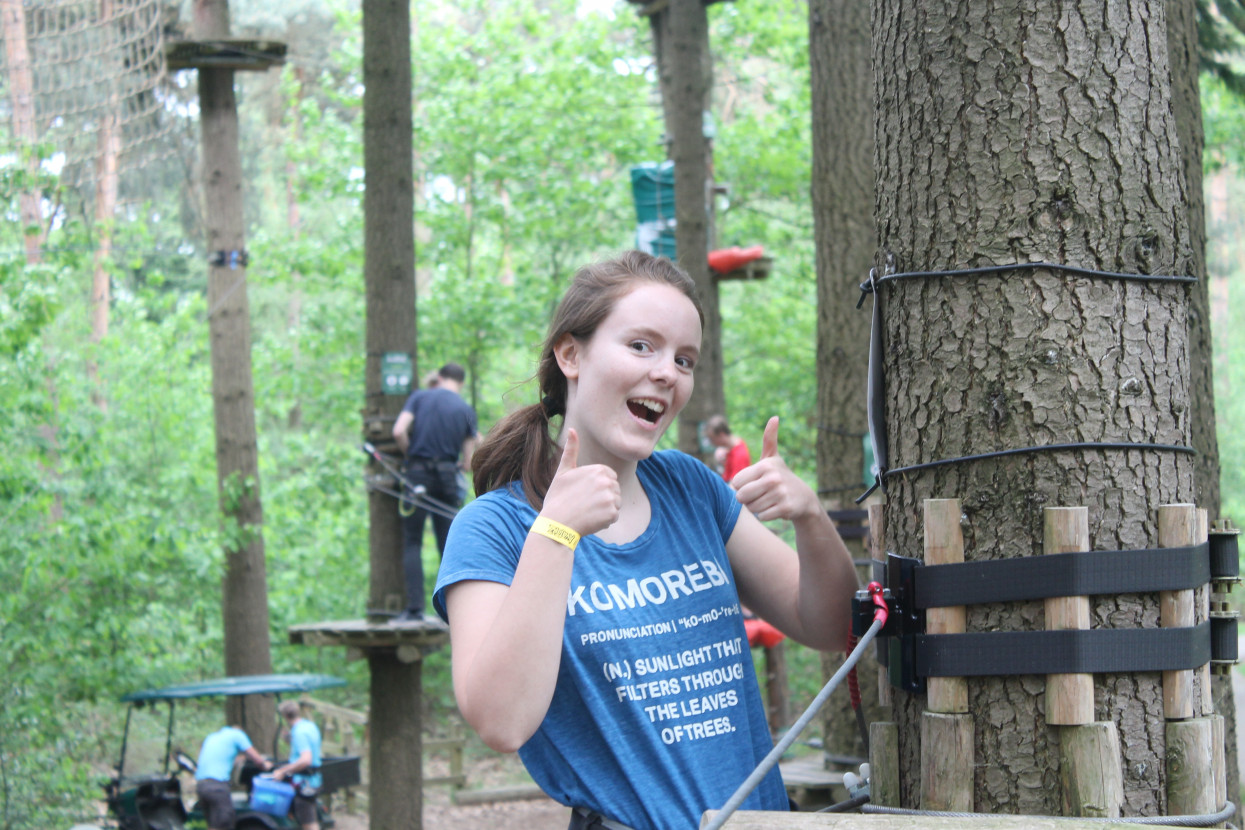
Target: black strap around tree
{"type": "Point", "coordinates": [1063, 575]}
{"type": "Point", "coordinates": [1099, 650]}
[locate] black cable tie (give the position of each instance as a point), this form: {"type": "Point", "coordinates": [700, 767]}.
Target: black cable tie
{"type": "Point", "coordinates": [1030, 266]}
{"type": "Point", "coordinates": [1092, 445]}
{"type": "Point", "coordinates": [230, 259]}
{"type": "Point", "coordinates": [866, 494]}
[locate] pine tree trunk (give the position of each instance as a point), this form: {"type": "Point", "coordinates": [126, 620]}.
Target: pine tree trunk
{"type": "Point", "coordinates": [681, 44]}
{"type": "Point", "coordinates": [1017, 132]}
{"type": "Point", "coordinates": [842, 197]}
{"type": "Point", "coordinates": [244, 598]}
{"type": "Point", "coordinates": [389, 275]}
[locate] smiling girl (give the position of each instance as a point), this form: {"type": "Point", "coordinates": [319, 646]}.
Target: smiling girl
{"type": "Point", "coordinates": [593, 591]}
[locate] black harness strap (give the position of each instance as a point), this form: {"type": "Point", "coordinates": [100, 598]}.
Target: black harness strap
{"type": "Point", "coordinates": [1063, 575]}
{"type": "Point", "coordinates": [1099, 650]}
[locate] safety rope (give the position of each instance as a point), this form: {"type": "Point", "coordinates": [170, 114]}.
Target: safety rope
{"type": "Point", "coordinates": [762, 769]}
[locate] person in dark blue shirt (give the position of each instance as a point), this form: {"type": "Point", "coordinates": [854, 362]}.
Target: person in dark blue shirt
{"type": "Point", "coordinates": [436, 431]}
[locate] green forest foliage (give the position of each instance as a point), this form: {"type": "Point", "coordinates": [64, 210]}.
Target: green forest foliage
{"type": "Point", "coordinates": [528, 117]}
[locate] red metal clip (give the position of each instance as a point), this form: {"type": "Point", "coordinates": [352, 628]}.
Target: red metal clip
{"type": "Point", "coordinates": [875, 591]}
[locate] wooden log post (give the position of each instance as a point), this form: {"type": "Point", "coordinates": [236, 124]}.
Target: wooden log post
{"type": "Point", "coordinates": [1190, 768]}
{"type": "Point", "coordinates": [944, 545]}
{"type": "Point", "coordinates": [1069, 697]}
{"type": "Point", "coordinates": [946, 726]}
{"type": "Point", "coordinates": [884, 764]}
{"type": "Point", "coordinates": [877, 550]}
{"type": "Point", "coordinates": [1177, 528]}
{"type": "Point", "coordinates": [1190, 761]}
{"type": "Point", "coordinates": [1205, 694]}
{"type": "Point", "coordinates": [1090, 775]}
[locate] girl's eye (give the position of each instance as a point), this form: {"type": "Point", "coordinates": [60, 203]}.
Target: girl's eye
{"type": "Point", "coordinates": [641, 346]}
{"type": "Point", "coordinates": [685, 363]}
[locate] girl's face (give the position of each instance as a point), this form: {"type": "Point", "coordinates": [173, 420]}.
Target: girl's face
{"type": "Point", "coordinates": [628, 382]}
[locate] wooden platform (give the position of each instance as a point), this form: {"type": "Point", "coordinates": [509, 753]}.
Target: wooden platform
{"type": "Point", "coordinates": [810, 784]}
{"type": "Point", "coordinates": [754, 820]}
{"type": "Point", "coordinates": [412, 640]}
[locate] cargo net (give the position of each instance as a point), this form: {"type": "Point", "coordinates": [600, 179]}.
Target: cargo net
{"type": "Point", "coordinates": [93, 76]}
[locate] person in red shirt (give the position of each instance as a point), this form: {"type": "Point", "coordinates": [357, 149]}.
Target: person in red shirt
{"type": "Point", "coordinates": [735, 452]}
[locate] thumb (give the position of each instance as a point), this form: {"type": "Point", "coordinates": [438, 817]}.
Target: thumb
{"type": "Point", "coordinates": [769, 442]}
{"type": "Point", "coordinates": [570, 452]}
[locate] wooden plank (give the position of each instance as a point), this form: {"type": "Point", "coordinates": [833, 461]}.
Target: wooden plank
{"type": "Point", "coordinates": [1090, 774]}
{"type": "Point", "coordinates": [756, 820]}
{"type": "Point", "coordinates": [1069, 697]}
{"type": "Point", "coordinates": [1177, 528]}
{"type": "Point", "coordinates": [944, 545]}
{"type": "Point", "coordinates": [809, 772]}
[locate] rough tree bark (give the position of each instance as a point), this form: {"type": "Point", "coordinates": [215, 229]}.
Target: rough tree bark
{"type": "Point", "coordinates": [681, 46]}
{"type": "Point", "coordinates": [244, 598]}
{"type": "Point", "coordinates": [1024, 131]}
{"type": "Point", "coordinates": [841, 78]}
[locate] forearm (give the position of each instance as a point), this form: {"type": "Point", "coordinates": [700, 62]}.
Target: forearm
{"type": "Point", "coordinates": [505, 687]}
{"type": "Point", "coordinates": [827, 582]}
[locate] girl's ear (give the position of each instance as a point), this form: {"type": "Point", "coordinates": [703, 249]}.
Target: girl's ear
{"type": "Point", "coordinates": [566, 351]}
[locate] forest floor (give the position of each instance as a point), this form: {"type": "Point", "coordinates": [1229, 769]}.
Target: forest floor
{"type": "Point", "coordinates": [483, 772]}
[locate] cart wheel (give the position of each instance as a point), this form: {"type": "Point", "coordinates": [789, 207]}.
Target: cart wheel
{"type": "Point", "coordinates": [164, 818]}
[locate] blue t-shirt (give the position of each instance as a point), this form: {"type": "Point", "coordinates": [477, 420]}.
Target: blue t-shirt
{"type": "Point", "coordinates": [218, 753]}
{"type": "Point", "coordinates": [305, 735]}
{"type": "Point", "coordinates": [657, 715]}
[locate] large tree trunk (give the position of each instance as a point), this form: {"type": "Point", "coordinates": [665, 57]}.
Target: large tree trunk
{"type": "Point", "coordinates": [681, 45]}
{"type": "Point", "coordinates": [842, 193]}
{"type": "Point", "coordinates": [395, 790]}
{"type": "Point", "coordinates": [1015, 132]}
{"type": "Point", "coordinates": [244, 599]}
{"type": "Point", "coordinates": [1187, 105]}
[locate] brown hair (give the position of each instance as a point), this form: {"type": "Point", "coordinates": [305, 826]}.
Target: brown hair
{"type": "Point", "coordinates": [520, 447]}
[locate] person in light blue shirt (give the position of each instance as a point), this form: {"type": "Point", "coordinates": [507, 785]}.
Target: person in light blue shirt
{"type": "Point", "coordinates": [303, 767]}
{"type": "Point", "coordinates": [214, 769]}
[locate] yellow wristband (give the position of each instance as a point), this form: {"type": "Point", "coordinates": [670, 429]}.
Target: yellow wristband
{"type": "Point", "coordinates": [557, 532]}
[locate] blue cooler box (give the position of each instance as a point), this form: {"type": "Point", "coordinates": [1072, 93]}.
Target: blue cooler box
{"type": "Point", "coordinates": [271, 797]}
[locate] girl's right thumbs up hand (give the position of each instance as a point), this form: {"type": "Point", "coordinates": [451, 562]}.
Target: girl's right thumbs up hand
{"type": "Point", "coordinates": [586, 499]}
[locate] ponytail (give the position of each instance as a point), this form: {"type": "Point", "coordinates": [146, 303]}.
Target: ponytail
{"type": "Point", "coordinates": [518, 448]}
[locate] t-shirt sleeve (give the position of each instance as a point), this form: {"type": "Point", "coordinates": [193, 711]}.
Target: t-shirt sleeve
{"type": "Point", "coordinates": [705, 487]}
{"type": "Point", "coordinates": [484, 543]}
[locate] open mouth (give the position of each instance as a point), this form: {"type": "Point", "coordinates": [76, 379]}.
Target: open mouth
{"type": "Point", "coordinates": [646, 409]}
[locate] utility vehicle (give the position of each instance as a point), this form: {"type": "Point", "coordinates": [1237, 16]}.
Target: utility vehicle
{"type": "Point", "coordinates": [153, 800]}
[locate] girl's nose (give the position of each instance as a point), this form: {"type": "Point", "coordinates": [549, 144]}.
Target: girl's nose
{"type": "Point", "coordinates": [664, 371]}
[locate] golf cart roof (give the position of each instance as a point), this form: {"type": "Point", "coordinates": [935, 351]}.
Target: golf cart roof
{"type": "Point", "coordinates": [251, 684]}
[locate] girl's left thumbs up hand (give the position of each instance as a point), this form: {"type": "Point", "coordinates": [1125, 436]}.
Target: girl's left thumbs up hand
{"type": "Point", "coordinates": [769, 489]}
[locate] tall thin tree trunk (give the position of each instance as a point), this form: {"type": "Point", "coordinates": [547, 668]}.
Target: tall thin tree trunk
{"type": "Point", "coordinates": [681, 46]}
{"type": "Point", "coordinates": [21, 85]}
{"type": "Point", "coordinates": [1015, 132]}
{"type": "Point", "coordinates": [244, 598]}
{"type": "Point", "coordinates": [108, 143]}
